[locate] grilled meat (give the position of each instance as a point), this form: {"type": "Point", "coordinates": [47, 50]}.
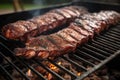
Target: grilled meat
{"type": "Point", "coordinates": [42, 48]}
{"type": "Point", "coordinates": [76, 35]}
{"type": "Point", "coordinates": [111, 17]}
{"type": "Point", "coordinates": [18, 28]}
{"type": "Point", "coordinates": [97, 22]}
{"type": "Point", "coordinates": [67, 39]}
{"type": "Point", "coordinates": [96, 25]}
{"type": "Point", "coordinates": [84, 25]}
{"type": "Point", "coordinates": [52, 45]}
{"type": "Point", "coordinates": [33, 27]}
{"type": "Point", "coordinates": [81, 30]}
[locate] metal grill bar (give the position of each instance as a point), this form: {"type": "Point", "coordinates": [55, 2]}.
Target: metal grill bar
{"type": "Point", "coordinates": [103, 46]}
{"type": "Point", "coordinates": [49, 70]}
{"type": "Point", "coordinates": [93, 52]}
{"type": "Point", "coordinates": [82, 59]}
{"type": "Point", "coordinates": [110, 43]}
{"type": "Point", "coordinates": [15, 67]}
{"type": "Point", "coordinates": [2, 38]}
{"type": "Point", "coordinates": [36, 72]}
{"type": "Point", "coordinates": [116, 29]}
{"type": "Point", "coordinates": [88, 55]}
{"type": "Point", "coordinates": [97, 49]}
{"type": "Point", "coordinates": [25, 63]}
{"type": "Point", "coordinates": [113, 32]}
{"type": "Point", "coordinates": [61, 67]}
{"type": "Point", "coordinates": [98, 66]}
{"type": "Point", "coordinates": [107, 43]}
{"type": "Point", "coordinates": [69, 60]}
{"type": "Point", "coordinates": [6, 72]}
{"type": "Point", "coordinates": [112, 37]}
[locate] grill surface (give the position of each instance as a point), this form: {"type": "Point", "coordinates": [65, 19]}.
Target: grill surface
{"type": "Point", "coordinates": [100, 50]}
{"type": "Point", "coordinates": [94, 54]}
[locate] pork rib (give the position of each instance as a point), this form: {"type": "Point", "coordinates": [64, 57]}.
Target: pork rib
{"type": "Point", "coordinates": [50, 20]}
{"type": "Point", "coordinates": [51, 45]}
{"type": "Point", "coordinates": [67, 39]}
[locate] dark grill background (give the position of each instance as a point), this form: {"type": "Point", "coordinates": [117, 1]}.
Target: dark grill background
{"type": "Point", "coordinates": [95, 53]}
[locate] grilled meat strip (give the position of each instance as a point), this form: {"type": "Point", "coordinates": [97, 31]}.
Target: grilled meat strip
{"type": "Point", "coordinates": [97, 22]}
{"type": "Point", "coordinates": [33, 27]}
{"type": "Point", "coordinates": [111, 17]}
{"type": "Point", "coordinates": [52, 45]}
{"type": "Point", "coordinates": [92, 25]}
{"type": "Point", "coordinates": [81, 30]}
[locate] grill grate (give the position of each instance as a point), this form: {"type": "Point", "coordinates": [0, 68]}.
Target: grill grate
{"type": "Point", "coordinates": [94, 54]}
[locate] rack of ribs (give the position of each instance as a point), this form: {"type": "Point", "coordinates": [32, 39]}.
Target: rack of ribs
{"type": "Point", "coordinates": [66, 40]}
{"type": "Point", "coordinates": [21, 30]}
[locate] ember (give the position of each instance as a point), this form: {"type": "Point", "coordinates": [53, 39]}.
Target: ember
{"type": "Point", "coordinates": [79, 73]}
{"type": "Point", "coordinates": [101, 74]}
{"type": "Point", "coordinates": [53, 67]}
{"type": "Point", "coordinates": [29, 73]}
{"type": "Point", "coordinates": [59, 63]}
{"type": "Point", "coordinates": [49, 77]}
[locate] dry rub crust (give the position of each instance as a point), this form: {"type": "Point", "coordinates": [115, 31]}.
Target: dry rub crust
{"type": "Point", "coordinates": [22, 30]}
{"type": "Point", "coordinates": [67, 39]}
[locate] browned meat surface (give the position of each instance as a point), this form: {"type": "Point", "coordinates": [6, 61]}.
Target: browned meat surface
{"type": "Point", "coordinates": [41, 46]}
{"type": "Point", "coordinates": [93, 24]}
{"type": "Point", "coordinates": [52, 45]}
{"type": "Point", "coordinates": [73, 14]}
{"type": "Point", "coordinates": [63, 45]}
{"type": "Point", "coordinates": [66, 15]}
{"type": "Point", "coordinates": [111, 17]}
{"type": "Point", "coordinates": [97, 22]}
{"type": "Point", "coordinates": [80, 9]}
{"type": "Point", "coordinates": [17, 28]}
{"type": "Point", "coordinates": [76, 35]}
{"type": "Point", "coordinates": [33, 27]}
{"type": "Point", "coordinates": [81, 30]}
{"type": "Point", "coordinates": [67, 39]}
{"type": "Point", "coordinates": [74, 10]}
{"type": "Point", "coordinates": [84, 25]}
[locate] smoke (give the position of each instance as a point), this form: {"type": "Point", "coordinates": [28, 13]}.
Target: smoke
{"type": "Point", "coordinates": [39, 2]}
{"type": "Point", "coordinates": [36, 13]}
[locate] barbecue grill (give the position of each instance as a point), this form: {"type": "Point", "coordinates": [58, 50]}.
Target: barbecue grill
{"type": "Point", "coordinates": [86, 59]}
